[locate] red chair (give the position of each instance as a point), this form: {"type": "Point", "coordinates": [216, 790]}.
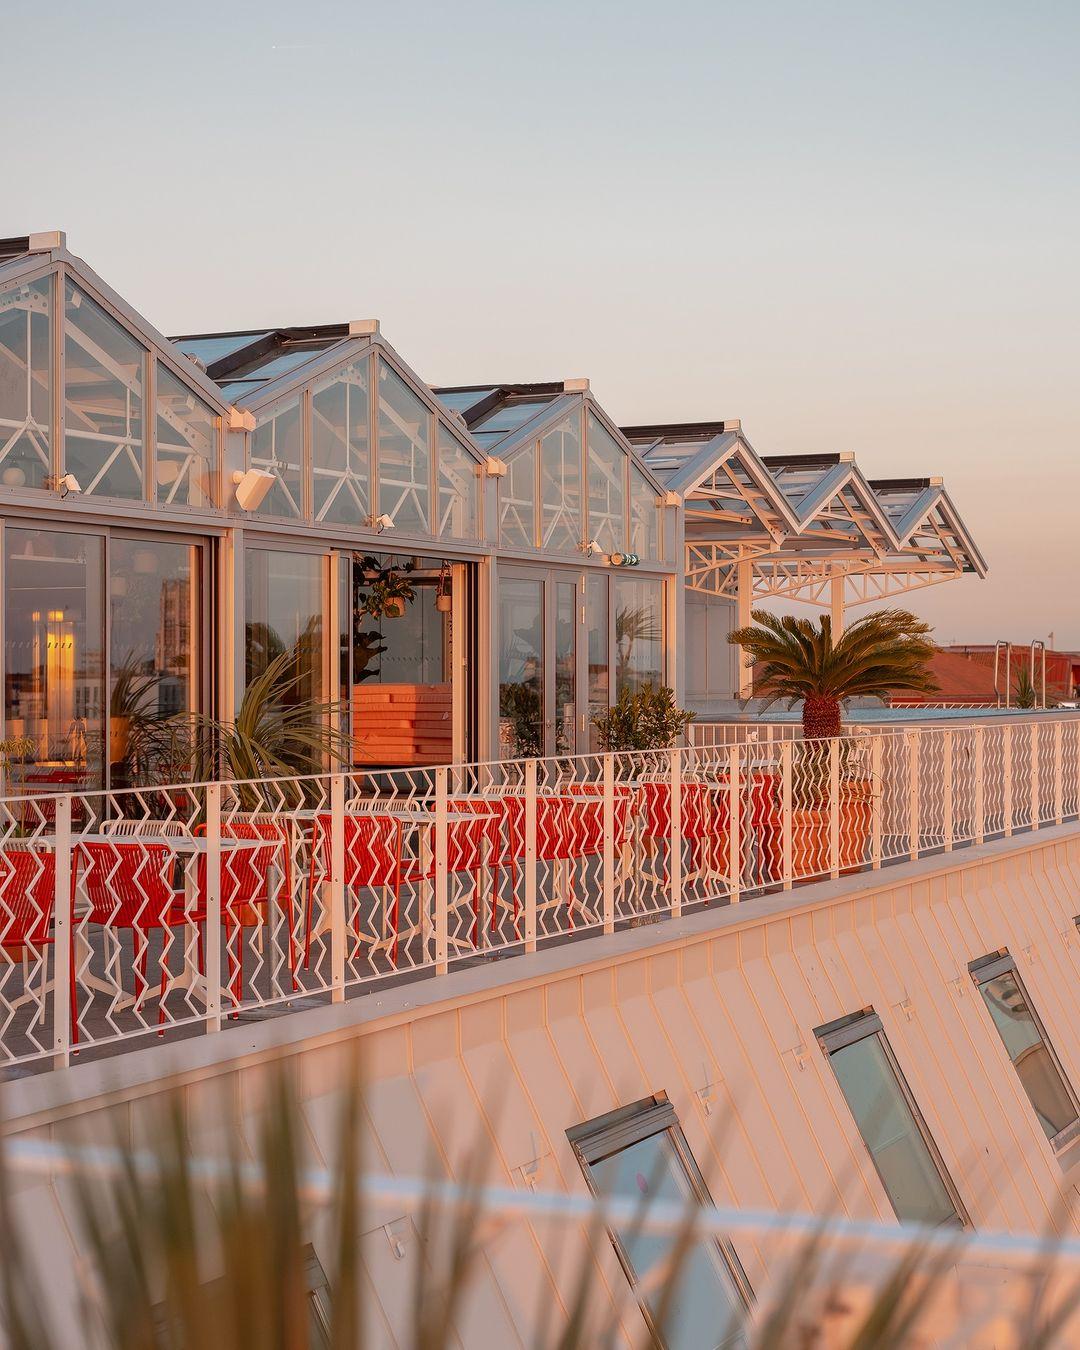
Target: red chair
{"type": "Point", "coordinates": [372, 859]}
{"type": "Point", "coordinates": [129, 885]}
{"type": "Point", "coordinates": [245, 890]}
{"type": "Point", "coordinates": [706, 818]}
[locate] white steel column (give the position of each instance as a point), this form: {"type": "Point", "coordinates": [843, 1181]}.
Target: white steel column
{"type": "Point", "coordinates": [744, 596]}
{"type": "Point", "coordinates": [836, 606]}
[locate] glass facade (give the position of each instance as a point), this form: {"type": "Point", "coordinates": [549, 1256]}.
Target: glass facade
{"type": "Point", "coordinates": [404, 454]}
{"type": "Point", "coordinates": [566, 629]}
{"type": "Point", "coordinates": [284, 613]}
{"type": "Point", "coordinates": [599, 656]}
{"type": "Point", "coordinates": [517, 501]}
{"type": "Point", "coordinates": [104, 397]}
{"type": "Point", "coordinates": [560, 487]}
{"type": "Point", "coordinates": [341, 445]}
{"type": "Point", "coordinates": [54, 657]}
{"type": "Point", "coordinates": [606, 467]}
{"type": "Point", "coordinates": [26, 384]}
{"type": "Point", "coordinates": [186, 464]}
{"type": "Point", "coordinates": [644, 517]}
{"type": "Point", "coordinates": [459, 489]}
{"type": "Point", "coordinates": [277, 447]}
{"type": "Point", "coordinates": [521, 667]}
{"type": "Point", "coordinates": [639, 633]}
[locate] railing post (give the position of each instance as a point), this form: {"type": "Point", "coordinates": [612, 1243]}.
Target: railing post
{"type": "Point", "coordinates": [877, 799]}
{"type": "Point", "coordinates": [529, 863]}
{"type": "Point", "coordinates": [63, 939]}
{"type": "Point", "coordinates": [442, 878]}
{"type": "Point", "coordinates": [213, 907]}
{"type": "Point", "coordinates": [1036, 783]}
{"type": "Point", "coordinates": [734, 827]}
{"type": "Point", "coordinates": [786, 748]}
{"type": "Point", "coordinates": [1007, 757]}
{"type": "Point", "coordinates": [834, 807]}
{"type": "Point", "coordinates": [609, 842]}
{"type": "Point", "coordinates": [1059, 773]}
{"type": "Point", "coordinates": [980, 785]}
{"type": "Point", "coordinates": [914, 803]}
{"type": "Point", "coordinates": [947, 788]}
{"type": "Point", "coordinates": [675, 844]}
{"type": "Point", "coordinates": [337, 888]}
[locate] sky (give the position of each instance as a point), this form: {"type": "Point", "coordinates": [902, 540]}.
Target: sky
{"type": "Point", "coordinates": [853, 226]}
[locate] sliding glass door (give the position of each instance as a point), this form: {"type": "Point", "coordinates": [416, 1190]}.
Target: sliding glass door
{"type": "Point", "coordinates": [102, 654]}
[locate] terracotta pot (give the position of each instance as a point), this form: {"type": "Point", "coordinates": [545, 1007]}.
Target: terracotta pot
{"type": "Point", "coordinates": [444, 603]}
{"type": "Point", "coordinates": [394, 608]}
{"type": "Point", "coordinates": [810, 835]}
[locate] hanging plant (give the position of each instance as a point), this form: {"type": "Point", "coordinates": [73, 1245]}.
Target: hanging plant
{"type": "Point", "coordinates": [389, 591]}
{"type": "Point", "coordinates": [444, 594]}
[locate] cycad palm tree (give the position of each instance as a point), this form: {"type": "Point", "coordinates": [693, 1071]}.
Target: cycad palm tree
{"type": "Point", "coordinates": [795, 659]}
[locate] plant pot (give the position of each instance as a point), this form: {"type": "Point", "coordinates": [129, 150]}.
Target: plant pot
{"type": "Point", "coordinates": [811, 843]}
{"type": "Point", "coordinates": [394, 608]}
{"type": "Point", "coordinates": [444, 603]}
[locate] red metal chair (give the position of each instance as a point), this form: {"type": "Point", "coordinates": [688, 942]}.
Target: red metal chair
{"type": "Point", "coordinates": [27, 892]}
{"type": "Point", "coordinates": [245, 890]}
{"type": "Point", "coordinates": [129, 885]}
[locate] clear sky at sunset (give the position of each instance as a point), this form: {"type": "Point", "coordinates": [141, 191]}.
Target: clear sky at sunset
{"type": "Point", "coordinates": [854, 226]}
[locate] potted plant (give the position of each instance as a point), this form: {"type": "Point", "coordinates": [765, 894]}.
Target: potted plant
{"type": "Point", "coordinates": [798, 661]}
{"type": "Point", "coordinates": [389, 593]}
{"type": "Point", "coordinates": [642, 719]}
{"type": "Point", "coordinates": [444, 592]}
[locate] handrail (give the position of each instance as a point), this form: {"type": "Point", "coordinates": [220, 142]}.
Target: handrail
{"type": "Point", "coordinates": [999, 645]}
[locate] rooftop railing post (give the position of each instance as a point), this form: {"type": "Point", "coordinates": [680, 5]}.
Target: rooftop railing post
{"type": "Point", "coordinates": [914, 796]}
{"type": "Point", "coordinates": [529, 862]}
{"type": "Point", "coordinates": [609, 842]}
{"type": "Point", "coordinates": [734, 826]}
{"type": "Point", "coordinates": [675, 844]}
{"type": "Point", "coordinates": [787, 869]}
{"type": "Point", "coordinates": [877, 798]}
{"type": "Point", "coordinates": [1007, 766]}
{"type": "Point", "coordinates": [980, 785]}
{"type": "Point", "coordinates": [947, 803]}
{"type": "Point", "coordinates": [834, 807]}
{"type": "Point", "coordinates": [337, 887]}
{"type": "Point", "coordinates": [442, 878]}
{"type": "Point", "coordinates": [1036, 782]}
{"type": "Point", "coordinates": [213, 908]}
{"type": "Point", "coordinates": [63, 939]}
{"type": "Point", "coordinates": [1059, 773]}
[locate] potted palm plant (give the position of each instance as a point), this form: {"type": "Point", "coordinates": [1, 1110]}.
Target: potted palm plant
{"type": "Point", "coordinates": [798, 661]}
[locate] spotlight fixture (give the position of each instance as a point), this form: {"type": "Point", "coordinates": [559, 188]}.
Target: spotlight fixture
{"type": "Point", "coordinates": [624, 560]}
{"type": "Point", "coordinates": [65, 484]}
{"type": "Point", "coordinates": [384, 522]}
{"type": "Point", "coordinates": [591, 548]}
{"type": "Point", "coordinates": [252, 487]}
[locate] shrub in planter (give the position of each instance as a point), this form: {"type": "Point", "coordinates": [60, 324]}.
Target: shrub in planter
{"type": "Point", "coordinates": [647, 719]}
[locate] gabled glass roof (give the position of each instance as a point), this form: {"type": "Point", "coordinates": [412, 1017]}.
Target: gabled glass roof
{"type": "Point", "coordinates": [493, 412]}
{"type": "Point", "coordinates": [211, 349]}
{"type": "Point", "coordinates": [461, 400]}
{"type": "Point", "coordinates": [241, 363]}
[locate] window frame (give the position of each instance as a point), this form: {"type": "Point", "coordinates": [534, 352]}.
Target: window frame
{"type": "Point", "coordinates": [596, 1140]}
{"type": "Point", "coordinates": [990, 967]}
{"type": "Point", "coordinates": [861, 1026]}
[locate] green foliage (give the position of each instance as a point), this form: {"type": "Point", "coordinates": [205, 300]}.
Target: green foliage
{"type": "Point", "coordinates": [519, 702]}
{"type": "Point", "coordinates": [797, 661]}
{"type": "Point", "coordinates": [645, 719]}
{"type": "Point", "coordinates": [386, 588]}
{"type": "Point", "coordinates": [1024, 693]}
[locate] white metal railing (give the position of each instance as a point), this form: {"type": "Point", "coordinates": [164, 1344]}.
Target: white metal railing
{"type": "Point", "coordinates": [128, 914]}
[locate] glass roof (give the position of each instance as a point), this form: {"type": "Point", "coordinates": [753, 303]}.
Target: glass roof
{"type": "Point", "coordinates": [272, 364]}
{"type": "Point", "coordinates": [210, 349]}
{"type": "Point", "coordinates": [460, 400]}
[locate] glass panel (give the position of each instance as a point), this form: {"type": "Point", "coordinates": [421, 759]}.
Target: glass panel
{"type": "Point", "coordinates": [461, 400]}
{"type": "Point", "coordinates": [1029, 1052]}
{"type": "Point", "coordinates": [639, 633]}
{"type": "Point", "coordinates": [644, 516]}
{"type": "Point", "coordinates": [54, 657]}
{"type": "Point", "coordinates": [404, 454]}
{"type": "Point", "coordinates": [275, 363]}
{"type": "Point", "coordinates": [402, 701]}
{"type": "Point", "coordinates": [103, 400]}
{"type": "Point", "coordinates": [596, 619]}
{"type": "Point", "coordinates": [560, 486]}
{"type": "Point", "coordinates": [186, 468]}
{"type": "Point", "coordinates": [341, 445]}
{"type": "Point", "coordinates": [607, 489]}
{"type": "Point", "coordinates": [517, 501]}
{"type": "Point", "coordinates": [26, 384]}
{"type": "Point", "coordinates": [565, 667]}
{"type": "Point", "coordinates": [706, 1309]}
{"type": "Point", "coordinates": [891, 1133]}
{"type": "Point", "coordinates": [153, 597]}
{"type": "Point", "coordinates": [284, 595]}
{"type": "Point", "coordinates": [277, 446]}
{"type": "Point", "coordinates": [458, 489]}
{"type": "Point", "coordinates": [211, 349]}
{"type": "Point", "coordinates": [509, 416]}
{"type": "Point", "coordinates": [521, 668]}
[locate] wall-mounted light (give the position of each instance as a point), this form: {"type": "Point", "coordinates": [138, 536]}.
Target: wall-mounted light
{"type": "Point", "coordinates": [624, 560]}
{"type": "Point", "coordinates": [591, 548]}
{"type": "Point", "coordinates": [252, 487]}
{"type": "Point", "coordinates": [65, 484]}
{"type": "Point", "coordinates": [383, 522]}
